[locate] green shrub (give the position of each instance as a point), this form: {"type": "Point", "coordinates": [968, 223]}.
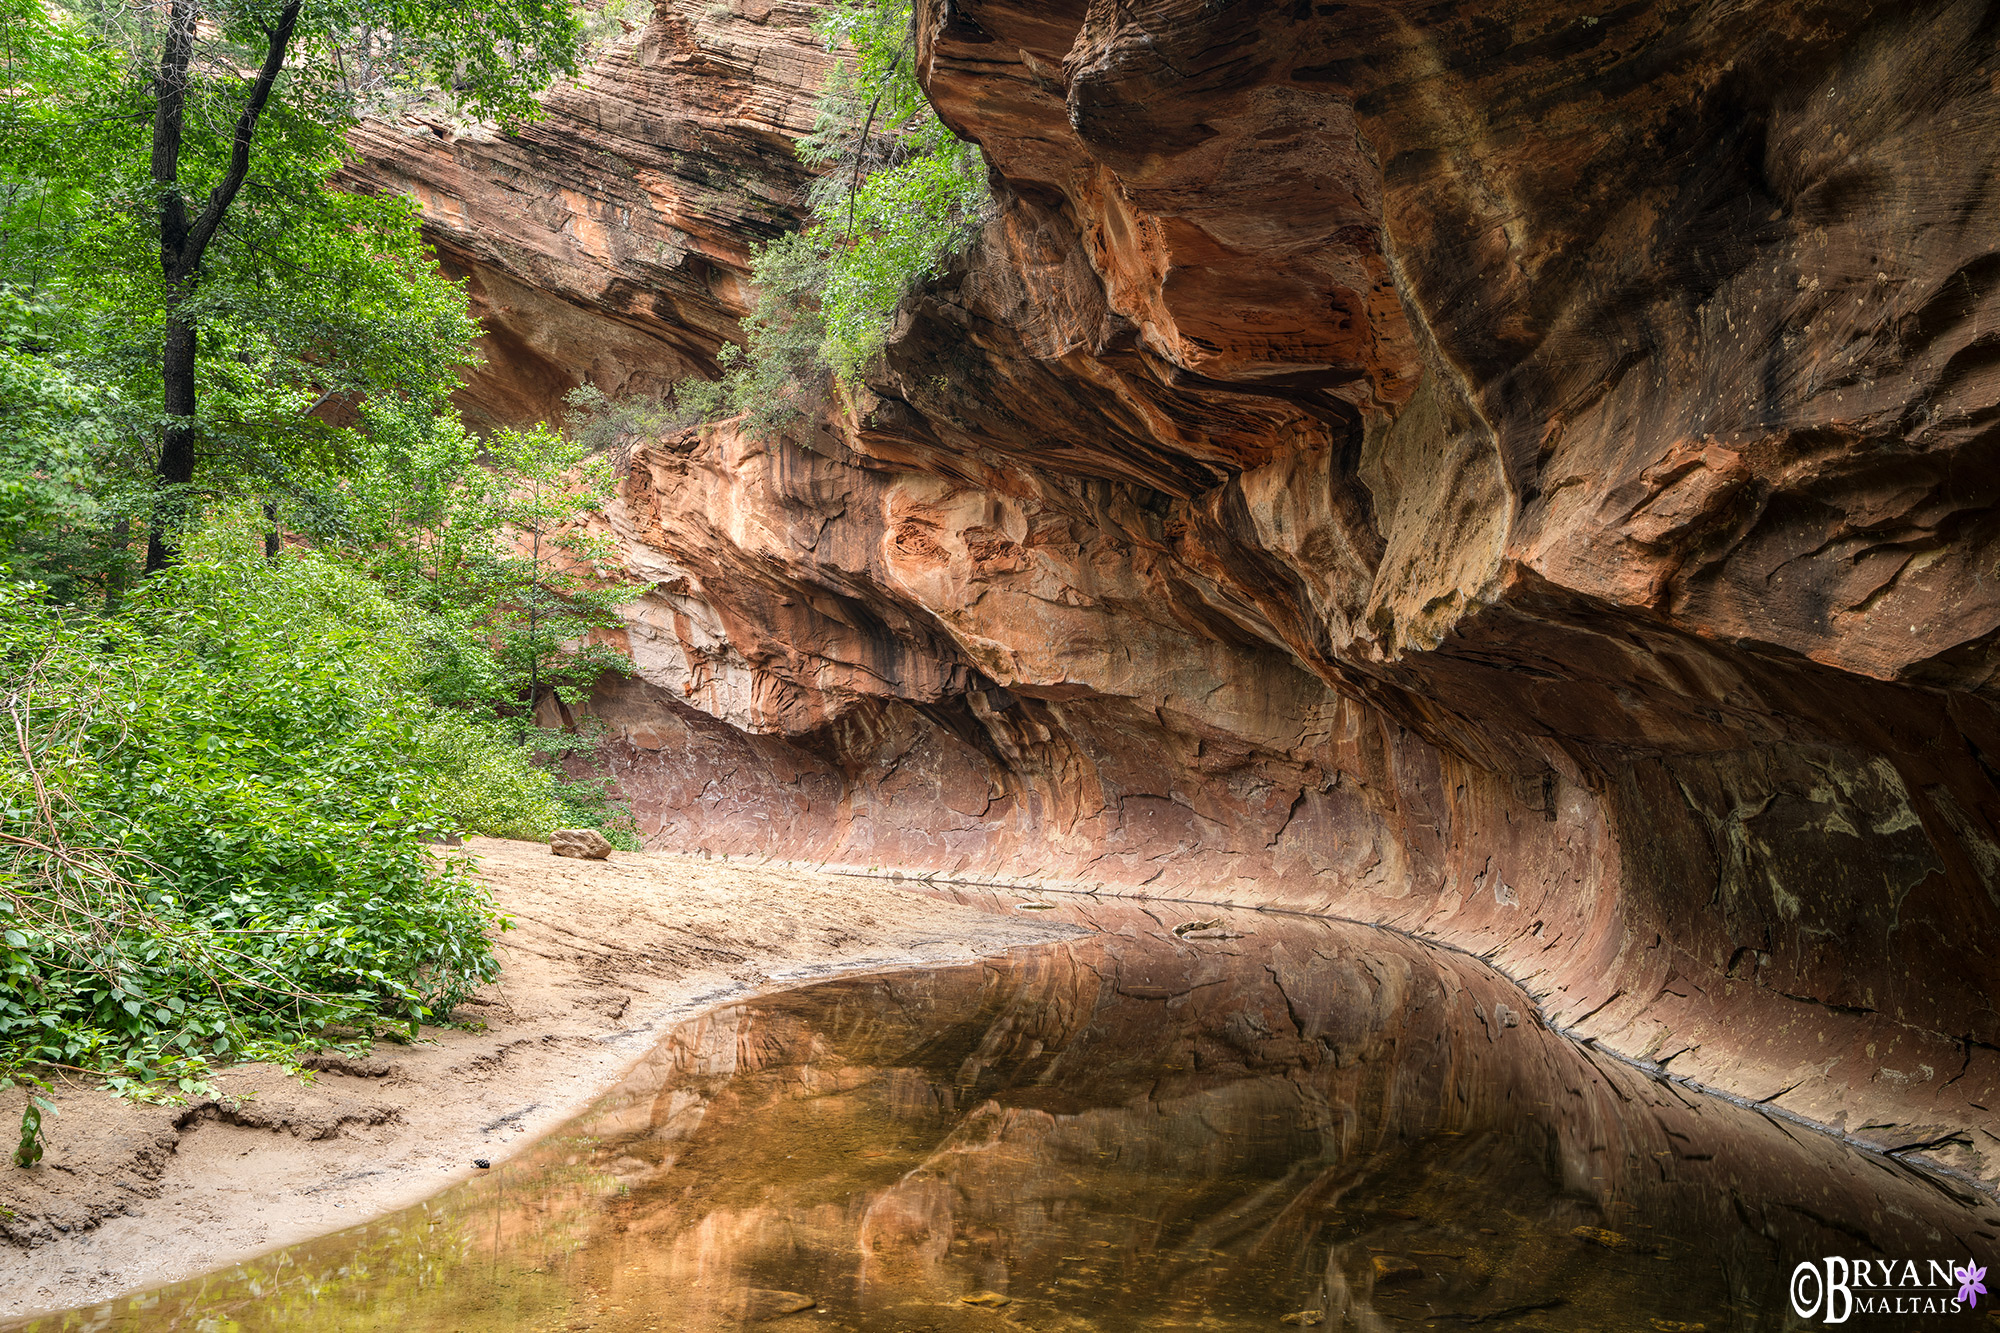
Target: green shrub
{"type": "Point", "coordinates": [218, 817]}
{"type": "Point", "coordinates": [477, 780]}
{"type": "Point", "coordinates": [899, 193]}
{"type": "Point", "coordinates": [612, 426]}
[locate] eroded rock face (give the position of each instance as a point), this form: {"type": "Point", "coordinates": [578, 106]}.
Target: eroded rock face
{"type": "Point", "coordinates": [610, 242]}
{"type": "Point", "coordinates": [1521, 474]}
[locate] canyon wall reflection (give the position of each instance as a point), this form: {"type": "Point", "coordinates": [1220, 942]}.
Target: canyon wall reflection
{"type": "Point", "coordinates": [1253, 1121]}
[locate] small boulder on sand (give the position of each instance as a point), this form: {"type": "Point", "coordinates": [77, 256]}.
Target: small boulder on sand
{"type": "Point", "coordinates": [585, 844]}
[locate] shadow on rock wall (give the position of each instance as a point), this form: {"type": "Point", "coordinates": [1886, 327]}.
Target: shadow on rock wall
{"type": "Point", "coordinates": [1524, 475]}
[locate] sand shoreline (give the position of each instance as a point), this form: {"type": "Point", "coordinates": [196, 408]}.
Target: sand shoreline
{"type": "Point", "coordinates": [603, 960]}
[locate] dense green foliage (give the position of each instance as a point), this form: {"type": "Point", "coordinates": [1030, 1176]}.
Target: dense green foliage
{"type": "Point", "coordinates": [899, 193]}
{"type": "Point", "coordinates": [63, 488]}
{"type": "Point", "coordinates": [165, 175]}
{"type": "Point", "coordinates": [218, 807]}
{"type": "Point", "coordinates": [247, 691]}
{"type": "Point", "coordinates": [504, 619]}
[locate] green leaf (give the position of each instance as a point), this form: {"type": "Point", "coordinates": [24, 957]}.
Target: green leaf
{"type": "Point", "coordinates": [29, 1151]}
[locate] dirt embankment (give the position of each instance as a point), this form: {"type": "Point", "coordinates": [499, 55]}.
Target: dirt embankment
{"type": "Point", "coordinates": [603, 958]}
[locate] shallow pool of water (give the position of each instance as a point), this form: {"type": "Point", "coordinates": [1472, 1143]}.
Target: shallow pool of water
{"type": "Point", "coordinates": [1245, 1124]}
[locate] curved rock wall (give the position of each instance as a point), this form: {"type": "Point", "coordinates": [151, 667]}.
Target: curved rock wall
{"type": "Point", "coordinates": [1521, 474]}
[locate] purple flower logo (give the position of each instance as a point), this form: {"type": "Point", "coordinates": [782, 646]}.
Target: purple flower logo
{"type": "Point", "coordinates": [1971, 1283]}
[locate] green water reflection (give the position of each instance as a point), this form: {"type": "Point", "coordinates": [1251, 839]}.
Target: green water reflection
{"type": "Point", "coordinates": [1130, 1131]}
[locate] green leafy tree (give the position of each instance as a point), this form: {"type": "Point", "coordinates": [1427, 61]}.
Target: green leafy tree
{"type": "Point", "coordinates": [491, 540]}
{"type": "Point", "coordinates": [898, 193]}
{"type": "Point", "coordinates": [493, 547]}
{"type": "Point", "coordinates": [60, 491]}
{"type": "Point", "coordinates": [222, 782]}
{"type": "Point", "coordinates": [558, 577]}
{"type": "Point", "coordinates": [203, 263]}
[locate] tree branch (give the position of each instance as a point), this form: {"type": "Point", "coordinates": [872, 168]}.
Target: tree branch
{"type": "Point", "coordinates": [867, 127]}
{"type": "Point", "coordinates": [224, 194]}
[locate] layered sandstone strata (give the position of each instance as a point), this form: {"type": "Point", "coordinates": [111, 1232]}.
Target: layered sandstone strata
{"type": "Point", "coordinates": [1522, 474]}
{"type": "Point", "coordinates": [610, 241]}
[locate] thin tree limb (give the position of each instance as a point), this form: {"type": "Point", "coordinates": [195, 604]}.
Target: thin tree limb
{"type": "Point", "coordinates": [224, 194]}
{"type": "Point", "coordinates": [867, 126]}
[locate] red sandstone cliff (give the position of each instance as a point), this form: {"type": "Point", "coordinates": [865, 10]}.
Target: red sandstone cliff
{"type": "Point", "coordinates": [610, 241]}
{"type": "Point", "coordinates": [1522, 474]}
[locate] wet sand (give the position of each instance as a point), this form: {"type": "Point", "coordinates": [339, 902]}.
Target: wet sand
{"type": "Point", "coordinates": [604, 958]}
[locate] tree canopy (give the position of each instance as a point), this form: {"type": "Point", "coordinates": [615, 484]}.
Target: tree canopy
{"type": "Point", "coordinates": [169, 218]}
{"type": "Point", "coordinates": [271, 620]}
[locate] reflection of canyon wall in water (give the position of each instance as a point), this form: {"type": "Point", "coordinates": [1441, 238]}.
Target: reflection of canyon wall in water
{"type": "Point", "coordinates": [1147, 1132]}
{"type": "Point", "coordinates": [1131, 1131]}
{"type": "Point", "coordinates": [1516, 473]}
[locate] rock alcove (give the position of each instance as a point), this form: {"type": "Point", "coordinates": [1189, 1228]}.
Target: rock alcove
{"type": "Point", "coordinates": [1523, 474]}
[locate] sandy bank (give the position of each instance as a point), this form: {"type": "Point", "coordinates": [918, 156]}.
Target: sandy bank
{"type": "Point", "coordinates": [603, 957]}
